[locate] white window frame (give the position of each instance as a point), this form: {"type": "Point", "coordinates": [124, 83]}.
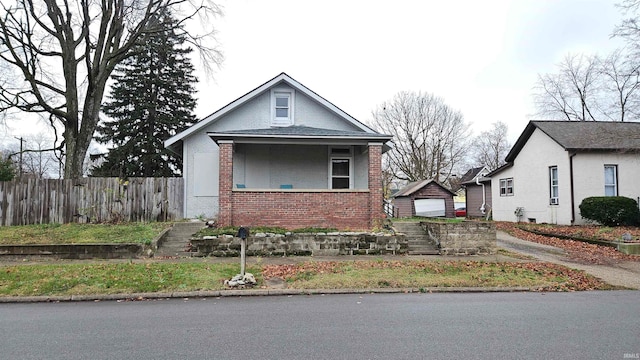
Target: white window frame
{"type": "Point", "coordinates": [506, 187]}
{"type": "Point", "coordinates": [613, 185]}
{"type": "Point", "coordinates": [290, 95]}
{"type": "Point", "coordinates": [344, 156]}
{"type": "Point", "coordinates": [554, 189]}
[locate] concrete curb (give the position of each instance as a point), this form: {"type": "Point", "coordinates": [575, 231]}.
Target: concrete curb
{"type": "Point", "coordinates": [253, 292]}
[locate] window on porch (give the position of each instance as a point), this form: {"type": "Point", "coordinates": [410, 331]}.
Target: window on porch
{"type": "Point", "coordinates": [341, 168]}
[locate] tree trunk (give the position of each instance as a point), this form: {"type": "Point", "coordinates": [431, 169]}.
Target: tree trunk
{"type": "Point", "coordinates": [77, 142]}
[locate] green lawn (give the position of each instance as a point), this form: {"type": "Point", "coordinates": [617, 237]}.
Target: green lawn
{"type": "Point", "coordinates": [110, 278]}
{"type": "Point", "coordinates": [49, 234]}
{"type": "Point", "coordinates": [124, 278]}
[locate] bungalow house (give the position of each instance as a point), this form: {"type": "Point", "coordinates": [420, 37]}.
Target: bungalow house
{"type": "Point", "coordinates": [281, 155]}
{"type": "Point", "coordinates": [554, 165]}
{"type": "Point", "coordinates": [424, 198]}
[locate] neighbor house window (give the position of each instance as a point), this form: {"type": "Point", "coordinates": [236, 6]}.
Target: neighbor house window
{"type": "Point", "coordinates": [611, 180]}
{"type": "Point", "coordinates": [282, 107]}
{"type": "Point", "coordinates": [553, 185]}
{"type": "Point", "coordinates": [506, 187]}
{"type": "Point", "coordinates": [340, 168]}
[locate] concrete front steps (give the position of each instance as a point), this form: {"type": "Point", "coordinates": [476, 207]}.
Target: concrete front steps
{"type": "Point", "coordinates": [418, 240]}
{"type": "Point", "coordinates": [176, 241]}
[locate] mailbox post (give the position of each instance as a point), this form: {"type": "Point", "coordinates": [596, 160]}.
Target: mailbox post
{"type": "Point", "coordinates": [243, 233]}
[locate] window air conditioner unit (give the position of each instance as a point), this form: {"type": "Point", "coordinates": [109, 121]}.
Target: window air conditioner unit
{"type": "Point", "coordinates": [554, 201]}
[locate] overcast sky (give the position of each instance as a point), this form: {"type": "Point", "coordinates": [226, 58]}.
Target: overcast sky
{"type": "Point", "coordinates": [481, 57]}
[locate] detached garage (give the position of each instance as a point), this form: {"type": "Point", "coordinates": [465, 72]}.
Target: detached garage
{"type": "Point", "coordinates": [424, 198]}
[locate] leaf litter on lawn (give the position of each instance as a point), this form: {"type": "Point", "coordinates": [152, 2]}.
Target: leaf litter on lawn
{"type": "Point", "coordinates": [578, 251]}
{"type": "Point", "coordinates": [538, 276]}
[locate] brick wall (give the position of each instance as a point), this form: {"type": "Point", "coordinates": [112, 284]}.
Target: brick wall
{"type": "Point", "coordinates": [376, 196]}
{"type": "Point", "coordinates": [225, 183]}
{"type": "Point", "coordinates": [296, 209]}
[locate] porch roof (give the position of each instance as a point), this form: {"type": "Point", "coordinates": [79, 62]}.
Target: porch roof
{"type": "Point", "coordinates": [298, 135]}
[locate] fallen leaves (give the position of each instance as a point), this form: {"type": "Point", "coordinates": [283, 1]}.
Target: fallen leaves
{"type": "Point", "coordinates": [578, 251]}
{"type": "Point", "coordinates": [539, 276]}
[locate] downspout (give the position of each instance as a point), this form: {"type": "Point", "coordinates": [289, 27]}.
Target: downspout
{"type": "Point", "coordinates": [573, 205]}
{"type": "Point", "coordinates": [484, 196]}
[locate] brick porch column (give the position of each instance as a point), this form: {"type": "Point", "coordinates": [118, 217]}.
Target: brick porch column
{"type": "Point", "coordinates": [225, 182]}
{"type": "Point", "coordinates": [376, 211]}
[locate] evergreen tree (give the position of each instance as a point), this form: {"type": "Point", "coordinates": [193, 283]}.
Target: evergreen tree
{"type": "Point", "coordinates": [7, 168]}
{"type": "Point", "coordinates": [150, 101]}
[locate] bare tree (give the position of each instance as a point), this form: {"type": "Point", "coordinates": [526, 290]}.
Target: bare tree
{"type": "Point", "coordinates": [629, 28]}
{"type": "Point", "coordinates": [491, 147]}
{"type": "Point", "coordinates": [572, 93]}
{"type": "Point", "coordinates": [33, 157]}
{"type": "Point", "coordinates": [38, 160]}
{"type": "Point", "coordinates": [621, 76]}
{"type": "Point", "coordinates": [589, 88]}
{"type": "Point", "coordinates": [430, 138]}
{"type": "Point", "coordinates": [65, 52]}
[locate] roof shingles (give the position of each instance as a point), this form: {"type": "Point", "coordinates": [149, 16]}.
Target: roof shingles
{"type": "Point", "coordinates": [583, 136]}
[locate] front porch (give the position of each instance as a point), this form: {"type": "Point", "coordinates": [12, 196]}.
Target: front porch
{"type": "Point", "coordinates": [298, 184]}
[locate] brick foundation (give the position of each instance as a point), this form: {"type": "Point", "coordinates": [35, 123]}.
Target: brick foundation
{"type": "Point", "coordinates": [297, 209]}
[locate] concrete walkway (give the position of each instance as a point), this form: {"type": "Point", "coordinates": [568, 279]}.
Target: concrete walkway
{"type": "Point", "coordinates": [626, 273]}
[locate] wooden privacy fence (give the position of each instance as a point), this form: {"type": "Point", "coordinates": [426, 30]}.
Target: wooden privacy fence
{"type": "Point", "coordinates": [42, 201]}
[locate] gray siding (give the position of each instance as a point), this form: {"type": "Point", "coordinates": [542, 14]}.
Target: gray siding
{"type": "Point", "coordinates": [309, 113]}
{"type": "Point", "coordinates": [195, 206]}
{"type": "Point", "coordinates": [361, 167]}
{"type": "Point", "coordinates": [263, 166]}
{"type": "Point", "coordinates": [303, 166]}
{"type": "Point", "coordinates": [474, 200]}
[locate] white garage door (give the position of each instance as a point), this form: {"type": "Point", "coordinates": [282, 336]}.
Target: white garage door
{"type": "Point", "coordinates": [430, 207]}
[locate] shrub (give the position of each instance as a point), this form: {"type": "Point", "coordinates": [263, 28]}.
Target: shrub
{"type": "Point", "coordinates": [610, 210]}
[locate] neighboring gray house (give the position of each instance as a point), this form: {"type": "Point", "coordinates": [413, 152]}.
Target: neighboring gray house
{"type": "Point", "coordinates": [477, 192]}
{"type": "Point", "coordinates": [554, 165]}
{"type": "Point", "coordinates": [281, 155]}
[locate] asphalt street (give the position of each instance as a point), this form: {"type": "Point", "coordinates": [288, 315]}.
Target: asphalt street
{"type": "Point", "coordinates": [581, 325]}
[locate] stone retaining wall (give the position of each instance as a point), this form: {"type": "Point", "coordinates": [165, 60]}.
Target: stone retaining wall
{"type": "Point", "coordinates": [463, 238]}
{"type": "Point", "coordinates": [302, 245]}
{"type": "Point", "coordinates": [73, 251]}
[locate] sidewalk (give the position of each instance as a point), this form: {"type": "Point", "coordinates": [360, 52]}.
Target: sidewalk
{"type": "Point", "coordinates": [625, 274]}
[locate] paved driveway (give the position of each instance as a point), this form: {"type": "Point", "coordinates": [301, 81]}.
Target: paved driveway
{"type": "Point", "coordinates": [626, 273]}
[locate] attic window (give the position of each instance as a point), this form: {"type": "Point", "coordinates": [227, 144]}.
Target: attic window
{"type": "Point", "coordinates": [282, 107]}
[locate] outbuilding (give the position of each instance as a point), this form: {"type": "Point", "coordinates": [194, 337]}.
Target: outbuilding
{"type": "Point", "coordinates": [424, 198]}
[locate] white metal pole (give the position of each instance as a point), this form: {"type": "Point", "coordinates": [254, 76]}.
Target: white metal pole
{"type": "Point", "coordinates": [243, 257]}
